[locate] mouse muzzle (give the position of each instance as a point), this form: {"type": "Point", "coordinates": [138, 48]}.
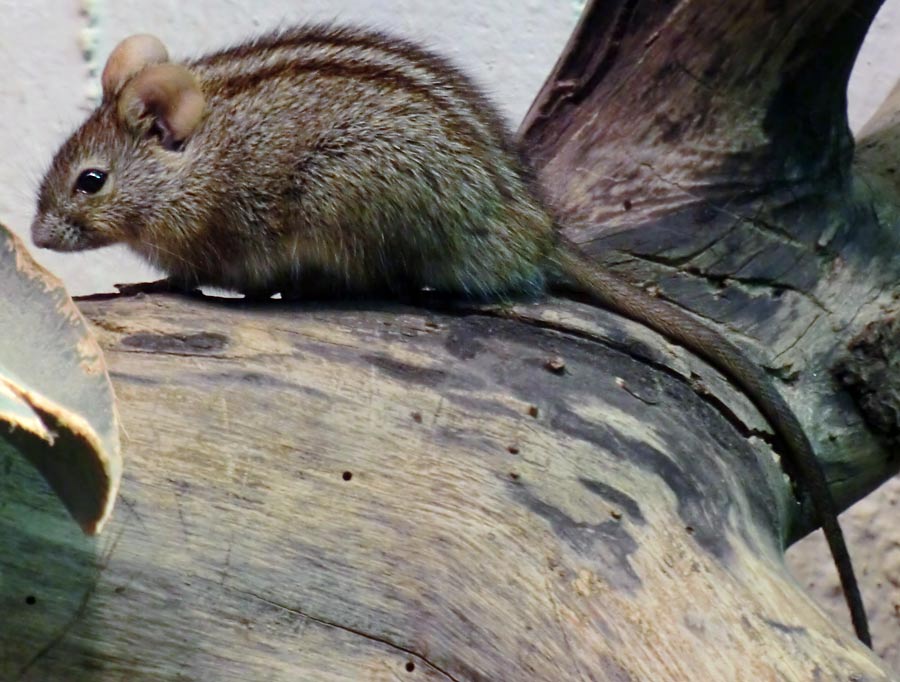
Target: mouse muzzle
{"type": "Point", "coordinates": [51, 232]}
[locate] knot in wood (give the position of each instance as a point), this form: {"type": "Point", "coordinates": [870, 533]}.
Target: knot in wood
{"type": "Point", "coordinates": [870, 372]}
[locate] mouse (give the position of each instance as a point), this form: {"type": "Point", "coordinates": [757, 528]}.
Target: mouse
{"type": "Point", "coordinates": [360, 161]}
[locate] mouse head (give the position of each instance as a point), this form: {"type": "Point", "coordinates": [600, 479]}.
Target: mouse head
{"type": "Point", "coordinates": [108, 177]}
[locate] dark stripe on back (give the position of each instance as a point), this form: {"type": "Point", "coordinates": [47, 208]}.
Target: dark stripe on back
{"type": "Point", "coordinates": [342, 36]}
{"type": "Point", "coordinates": [386, 77]}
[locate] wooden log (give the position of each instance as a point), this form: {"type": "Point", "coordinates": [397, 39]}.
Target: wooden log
{"type": "Point", "coordinates": [369, 492]}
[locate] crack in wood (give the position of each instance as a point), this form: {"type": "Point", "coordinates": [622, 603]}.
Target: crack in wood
{"type": "Point", "coordinates": [794, 343]}
{"type": "Point", "coordinates": [772, 230]}
{"type": "Point", "coordinates": [748, 283]}
{"type": "Point", "coordinates": [677, 64]}
{"type": "Point", "coordinates": [59, 636]}
{"type": "Point", "coordinates": [863, 306]}
{"type": "Point", "coordinates": [345, 628]}
{"type": "Point", "coordinates": [79, 612]}
{"type": "Point", "coordinates": [754, 221]}
{"type": "Point", "coordinates": [129, 505]}
{"type": "Point", "coordinates": [678, 261]}
{"type": "Point", "coordinates": [625, 387]}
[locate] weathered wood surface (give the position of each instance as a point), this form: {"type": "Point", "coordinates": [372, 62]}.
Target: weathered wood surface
{"type": "Point", "coordinates": [377, 493]}
{"type": "Point", "coordinates": [704, 150]}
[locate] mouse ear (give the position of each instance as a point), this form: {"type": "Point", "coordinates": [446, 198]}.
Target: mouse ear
{"type": "Point", "coordinates": [130, 56]}
{"type": "Point", "coordinates": [165, 96]}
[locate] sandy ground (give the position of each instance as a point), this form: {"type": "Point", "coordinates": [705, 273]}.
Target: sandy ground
{"type": "Point", "coordinates": [872, 527]}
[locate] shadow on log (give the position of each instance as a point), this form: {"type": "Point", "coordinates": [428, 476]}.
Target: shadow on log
{"type": "Point", "coordinates": [543, 492]}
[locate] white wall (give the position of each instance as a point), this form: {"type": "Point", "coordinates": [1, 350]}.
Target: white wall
{"type": "Point", "coordinates": [877, 66]}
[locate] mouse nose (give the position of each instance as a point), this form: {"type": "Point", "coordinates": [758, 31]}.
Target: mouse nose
{"type": "Point", "coordinates": [41, 234]}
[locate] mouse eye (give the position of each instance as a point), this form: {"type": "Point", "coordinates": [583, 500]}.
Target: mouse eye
{"type": "Point", "coordinates": [90, 181]}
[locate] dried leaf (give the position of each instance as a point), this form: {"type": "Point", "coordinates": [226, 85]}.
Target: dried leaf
{"type": "Point", "coordinates": [56, 403]}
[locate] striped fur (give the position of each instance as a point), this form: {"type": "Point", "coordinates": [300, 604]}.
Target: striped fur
{"type": "Point", "coordinates": [331, 156]}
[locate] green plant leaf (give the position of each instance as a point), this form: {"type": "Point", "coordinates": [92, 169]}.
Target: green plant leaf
{"type": "Point", "coordinates": [56, 403]}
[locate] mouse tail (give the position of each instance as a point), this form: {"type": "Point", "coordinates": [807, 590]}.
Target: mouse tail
{"type": "Point", "coordinates": [571, 271]}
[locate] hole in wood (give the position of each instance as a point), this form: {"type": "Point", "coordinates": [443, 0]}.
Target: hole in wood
{"type": "Point", "coordinates": [347, 475]}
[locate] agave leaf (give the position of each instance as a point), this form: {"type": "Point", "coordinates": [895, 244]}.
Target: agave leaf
{"type": "Point", "coordinates": [56, 403]}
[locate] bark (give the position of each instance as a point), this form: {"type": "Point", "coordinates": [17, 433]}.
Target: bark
{"type": "Point", "coordinates": [705, 149]}
{"type": "Point", "coordinates": [541, 492]}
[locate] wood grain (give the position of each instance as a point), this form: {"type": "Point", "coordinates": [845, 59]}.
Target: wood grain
{"type": "Point", "coordinates": [337, 493]}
